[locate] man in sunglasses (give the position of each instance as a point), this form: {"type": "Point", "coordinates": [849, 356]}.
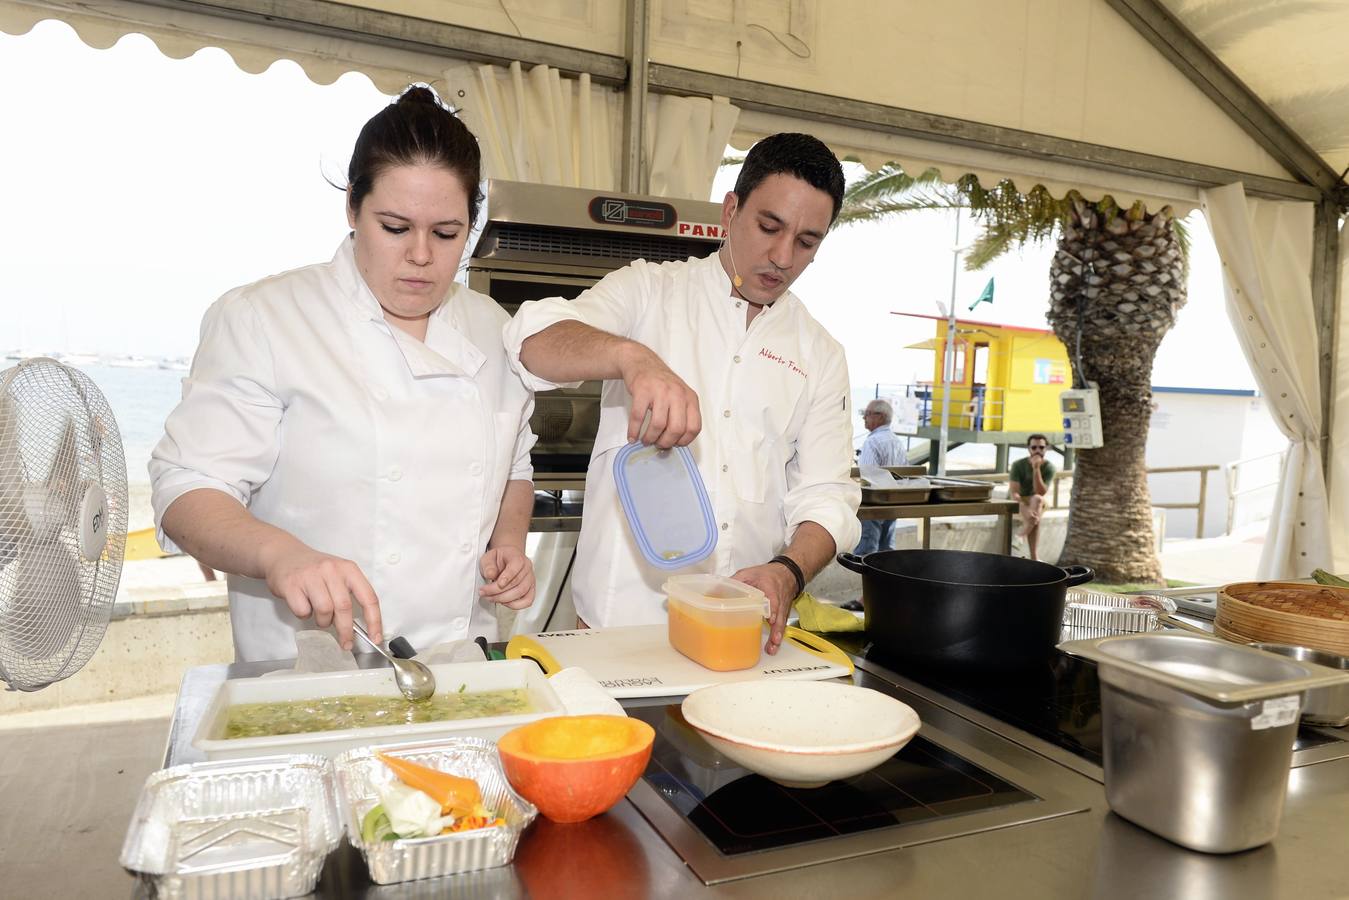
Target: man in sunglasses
{"type": "Point", "coordinates": [1029, 482]}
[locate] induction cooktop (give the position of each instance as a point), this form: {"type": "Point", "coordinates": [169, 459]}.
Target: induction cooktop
{"type": "Point", "coordinates": [1060, 702]}
{"type": "Point", "coordinates": [729, 823]}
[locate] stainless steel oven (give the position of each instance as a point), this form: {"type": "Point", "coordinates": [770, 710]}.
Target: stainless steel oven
{"type": "Point", "coordinates": [543, 241]}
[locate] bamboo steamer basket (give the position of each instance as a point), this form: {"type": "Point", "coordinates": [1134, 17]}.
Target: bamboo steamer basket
{"type": "Point", "coordinates": [1307, 615]}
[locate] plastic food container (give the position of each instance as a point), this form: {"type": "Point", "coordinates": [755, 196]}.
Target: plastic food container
{"type": "Point", "coordinates": [358, 774]}
{"type": "Point", "coordinates": [258, 828]}
{"type": "Point", "coordinates": [665, 502]}
{"type": "Point", "coordinates": [483, 676]}
{"type": "Point", "coordinates": [716, 621]}
{"type": "Point", "coordinates": [1198, 734]}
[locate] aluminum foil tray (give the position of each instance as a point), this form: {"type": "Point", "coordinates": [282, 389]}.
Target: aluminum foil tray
{"type": "Point", "coordinates": [358, 774]}
{"type": "Point", "coordinates": [257, 829]}
{"type": "Point", "coordinates": [1099, 613]}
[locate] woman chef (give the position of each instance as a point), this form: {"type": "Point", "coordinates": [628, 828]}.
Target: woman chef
{"type": "Point", "coordinates": [352, 431]}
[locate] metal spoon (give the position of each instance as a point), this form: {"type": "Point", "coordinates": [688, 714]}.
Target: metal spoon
{"type": "Point", "coordinates": [414, 680]}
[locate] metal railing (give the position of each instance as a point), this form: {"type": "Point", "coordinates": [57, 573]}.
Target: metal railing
{"type": "Point", "coordinates": [1235, 492]}
{"type": "Point", "coordinates": [976, 408]}
{"type": "Point", "coordinates": [1200, 505]}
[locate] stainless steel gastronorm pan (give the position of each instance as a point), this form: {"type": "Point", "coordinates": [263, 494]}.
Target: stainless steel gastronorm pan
{"type": "Point", "coordinates": [1198, 734]}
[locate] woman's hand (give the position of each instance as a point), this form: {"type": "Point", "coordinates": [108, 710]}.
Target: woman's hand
{"type": "Point", "coordinates": [509, 575]}
{"type": "Point", "coordinates": [316, 584]}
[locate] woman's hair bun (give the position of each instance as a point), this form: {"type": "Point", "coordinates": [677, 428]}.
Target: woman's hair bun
{"type": "Point", "coordinates": [418, 128]}
{"type": "Point", "coordinates": [420, 93]}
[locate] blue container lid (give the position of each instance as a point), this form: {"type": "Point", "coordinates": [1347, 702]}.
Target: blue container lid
{"type": "Point", "coordinates": [666, 504]}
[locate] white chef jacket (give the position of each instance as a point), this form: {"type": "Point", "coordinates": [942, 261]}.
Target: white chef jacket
{"type": "Point", "coordinates": [775, 449]}
{"type": "Point", "coordinates": [308, 407]}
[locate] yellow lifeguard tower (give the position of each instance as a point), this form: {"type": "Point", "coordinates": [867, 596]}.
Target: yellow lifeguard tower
{"type": "Point", "coordinates": [1005, 384]}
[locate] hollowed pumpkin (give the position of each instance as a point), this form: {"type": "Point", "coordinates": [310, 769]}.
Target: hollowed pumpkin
{"type": "Point", "coordinates": [576, 767]}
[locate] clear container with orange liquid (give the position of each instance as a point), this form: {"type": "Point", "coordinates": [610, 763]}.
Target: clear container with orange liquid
{"type": "Point", "coordinates": [716, 621]}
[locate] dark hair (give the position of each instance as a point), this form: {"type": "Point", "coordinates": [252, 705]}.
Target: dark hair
{"type": "Point", "coordinates": [1034, 436]}
{"type": "Point", "coordinates": [801, 155]}
{"type": "Point", "coordinates": [416, 129]}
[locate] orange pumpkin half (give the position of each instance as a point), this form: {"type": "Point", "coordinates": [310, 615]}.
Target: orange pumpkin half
{"type": "Point", "coordinates": [576, 767]}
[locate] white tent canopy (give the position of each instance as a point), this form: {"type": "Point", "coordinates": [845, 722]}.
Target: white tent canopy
{"type": "Point", "coordinates": [1105, 96]}
{"type": "Point", "coordinates": [1291, 54]}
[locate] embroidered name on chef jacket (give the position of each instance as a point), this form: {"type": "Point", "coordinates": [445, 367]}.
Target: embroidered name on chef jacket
{"type": "Point", "coordinates": [781, 360]}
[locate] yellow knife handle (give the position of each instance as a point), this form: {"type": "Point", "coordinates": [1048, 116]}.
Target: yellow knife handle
{"type": "Point", "coordinates": [817, 646]}
{"type": "Point", "coordinates": [522, 646]}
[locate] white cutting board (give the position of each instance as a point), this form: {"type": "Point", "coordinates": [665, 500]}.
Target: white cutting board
{"type": "Point", "coordinates": [638, 661]}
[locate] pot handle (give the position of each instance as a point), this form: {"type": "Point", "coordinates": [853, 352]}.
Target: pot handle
{"type": "Point", "coordinates": [854, 562]}
{"type": "Point", "coordinates": [1079, 575]}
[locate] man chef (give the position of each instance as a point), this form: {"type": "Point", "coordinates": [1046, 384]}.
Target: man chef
{"type": "Point", "coordinates": [717, 349]}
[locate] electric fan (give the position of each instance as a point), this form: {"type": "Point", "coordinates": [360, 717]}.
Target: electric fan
{"type": "Point", "coordinates": [63, 517]}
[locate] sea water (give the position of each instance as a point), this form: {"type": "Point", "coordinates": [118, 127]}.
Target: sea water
{"type": "Point", "coordinates": [141, 399]}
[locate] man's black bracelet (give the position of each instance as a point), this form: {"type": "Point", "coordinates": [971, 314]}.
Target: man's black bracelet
{"type": "Point", "coordinates": [796, 573]}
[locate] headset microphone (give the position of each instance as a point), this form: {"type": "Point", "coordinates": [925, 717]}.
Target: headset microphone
{"type": "Point", "coordinates": [736, 280]}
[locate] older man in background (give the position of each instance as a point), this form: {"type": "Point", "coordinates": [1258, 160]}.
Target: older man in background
{"type": "Point", "coordinates": [881, 448]}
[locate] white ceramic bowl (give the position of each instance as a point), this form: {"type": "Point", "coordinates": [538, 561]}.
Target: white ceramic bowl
{"type": "Point", "coordinates": [801, 733]}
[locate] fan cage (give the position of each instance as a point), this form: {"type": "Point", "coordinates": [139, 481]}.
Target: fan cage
{"type": "Point", "coordinates": [58, 435]}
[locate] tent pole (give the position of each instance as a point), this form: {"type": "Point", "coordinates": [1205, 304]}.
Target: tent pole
{"type": "Point", "coordinates": [636, 178]}
{"type": "Point", "coordinates": [810, 106]}
{"type": "Point", "coordinates": [1169, 36]}
{"type": "Point", "coordinates": [1325, 302]}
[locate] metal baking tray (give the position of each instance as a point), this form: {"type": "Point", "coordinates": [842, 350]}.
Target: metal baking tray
{"type": "Point", "coordinates": [897, 471]}
{"type": "Point", "coordinates": [257, 829]}
{"type": "Point", "coordinates": [358, 774]}
{"type": "Point", "coordinates": [1096, 613]}
{"type": "Point", "coordinates": [885, 496]}
{"type": "Point", "coordinates": [479, 676]}
{"type": "Point", "coordinates": [958, 489]}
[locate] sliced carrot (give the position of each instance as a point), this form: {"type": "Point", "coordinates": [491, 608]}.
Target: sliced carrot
{"type": "Point", "coordinates": [471, 823]}
{"type": "Point", "coordinates": [450, 791]}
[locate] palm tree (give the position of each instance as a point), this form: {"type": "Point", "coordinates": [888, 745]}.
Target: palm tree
{"type": "Point", "coordinates": [1116, 282]}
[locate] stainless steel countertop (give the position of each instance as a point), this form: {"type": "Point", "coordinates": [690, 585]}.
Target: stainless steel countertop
{"type": "Point", "coordinates": [1086, 854]}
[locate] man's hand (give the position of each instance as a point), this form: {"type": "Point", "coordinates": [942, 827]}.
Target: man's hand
{"type": "Point", "coordinates": [509, 575]}
{"type": "Point", "coordinates": [1036, 460]}
{"type": "Point", "coordinates": [316, 584]}
{"type": "Point", "coordinates": [675, 416]}
{"type": "Point", "coordinates": [779, 585]}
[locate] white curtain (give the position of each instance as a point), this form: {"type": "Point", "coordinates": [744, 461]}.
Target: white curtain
{"type": "Point", "coordinates": [539, 127]}
{"type": "Point", "coordinates": [1339, 423]}
{"type": "Point", "coordinates": [1266, 251]}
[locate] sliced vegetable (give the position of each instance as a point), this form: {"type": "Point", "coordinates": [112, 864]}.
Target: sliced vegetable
{"type": "Point", "coordinates": [412, 813]}
{"type": "Point", "coordinates": [456, 795]}
{"type": "Point", "coordinates": [375, 826]}
{"type": "Point", "coordinates": [1321, 576]}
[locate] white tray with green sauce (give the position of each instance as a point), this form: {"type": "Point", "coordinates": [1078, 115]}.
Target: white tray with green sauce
{"type": "Point", "coordinates": [327, 712]}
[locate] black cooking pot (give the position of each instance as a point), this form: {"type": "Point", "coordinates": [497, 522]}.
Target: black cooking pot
{"type": "Point", "coordinates": [953, 608]}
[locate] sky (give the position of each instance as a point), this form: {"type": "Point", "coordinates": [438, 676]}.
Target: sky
{"type": "Point", "coordinates": [141, 188]}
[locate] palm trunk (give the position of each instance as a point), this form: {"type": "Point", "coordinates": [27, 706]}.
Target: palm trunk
{"type": "Point", "coordinates": [1110, 514]}
{"type": "Point", "coordinates": [1116, 284]}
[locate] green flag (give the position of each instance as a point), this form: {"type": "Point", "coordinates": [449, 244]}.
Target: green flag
{"type": "Point", "coordinates": [985, 297]}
